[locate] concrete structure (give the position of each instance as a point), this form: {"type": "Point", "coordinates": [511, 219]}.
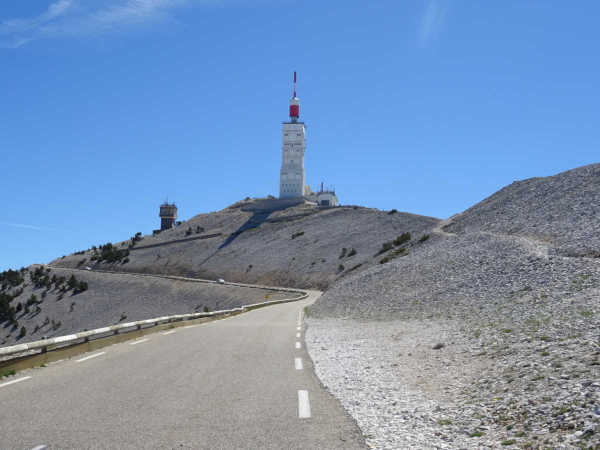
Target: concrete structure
{"type": "Point", "coordinates": [168, 215]}
{"type": "Point", "coordinates": [292, 176]}
{"type": "Point", "coordinates": [325, 197]}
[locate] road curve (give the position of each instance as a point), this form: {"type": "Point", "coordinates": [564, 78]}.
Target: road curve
{"type": "Point", "coordinates": [237, 383]}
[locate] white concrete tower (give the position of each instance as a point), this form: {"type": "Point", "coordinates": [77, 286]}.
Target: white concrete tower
{"type": "Point", "coordinates": [292, 177]}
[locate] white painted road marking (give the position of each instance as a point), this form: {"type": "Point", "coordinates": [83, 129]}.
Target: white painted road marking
{"type": "Point", "coordinates": [298, 345]}
{"type": "Point", "coordinates": [168, 332]}
{"type": "Point", "coordinates": [303, 405]}
{"type": "Point", "coordinates": [14, 381]}
{"type": "Point", "coordinates": [298, 363]}
{"type": "Point", "coordinates": [299, 328]}
{"type": "Point", "coordinates": [91, 356]}
{"type": "Point", "coordinates": [298, 335]}
{"type": "Point", "coordinates": [191, 326]}
{"type": "Point", "coordinates": [40, 447]}
{"type": "Point", "coordinates": [139, 342]}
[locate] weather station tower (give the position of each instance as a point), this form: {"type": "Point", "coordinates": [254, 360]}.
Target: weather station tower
{"type": "Point", "coordinates": [292, 175]}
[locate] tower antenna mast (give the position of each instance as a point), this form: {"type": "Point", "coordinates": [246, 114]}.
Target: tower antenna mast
{"type": "Point", "coordinates": [294, 84]}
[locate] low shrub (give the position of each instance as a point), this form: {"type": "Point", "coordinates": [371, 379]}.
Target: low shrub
{"type": "Point", "coordinates": [393, 211]}
{"type": "Point", "coordinates": [403, 238]}
{"type": "Point", "coordinates": [424, 238]}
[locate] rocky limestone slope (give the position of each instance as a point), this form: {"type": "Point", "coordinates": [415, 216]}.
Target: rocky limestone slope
{"type": "Point", "coordinates": [299, 246]}
{"type": "Point", "coordinates": [45, 305]}
{"type": "Point", "coordinates": [514, 281]}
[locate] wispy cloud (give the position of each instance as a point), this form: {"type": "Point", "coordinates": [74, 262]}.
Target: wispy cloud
{"type": "Point", "coordinates": [432, 21]}
{"type": "Point", "coordinates": [80, 17]}
{"type": "Point", "coordinates": [28, 227]}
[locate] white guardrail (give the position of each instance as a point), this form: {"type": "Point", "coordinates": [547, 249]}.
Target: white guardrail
{"type": "Point", "coordinates": [134, 326]}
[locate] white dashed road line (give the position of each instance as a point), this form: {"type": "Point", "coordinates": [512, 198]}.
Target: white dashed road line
{"type": "Point", "coordinates": [91, 356]}
{"type": "Point", "coordinates": [168, 332]}
{"type": "Point", "coordinates": [18, 380]}
{"type": "Point", "coordinates": [298, 363]}
{"type": "Point", "coordinates": [298, 345]}
{"type": "Point", "coordinates": [40, 447]}
{"type": "Point", "coordinates": [299, 328]}
{"type": "Point", "coordinates": [139, 342]}
{"type": "Point", "coordinates": [298, 335]}
{"type": "Point", "coordinates": [303, 405]}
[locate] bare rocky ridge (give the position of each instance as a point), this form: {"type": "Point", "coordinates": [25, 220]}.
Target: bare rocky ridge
{"type": "Point", "coordinates": [561, 211]}
{"type": "Point", "coordinates": [299, 246]}
{"type": "Point", "coordinates": [517, 277]}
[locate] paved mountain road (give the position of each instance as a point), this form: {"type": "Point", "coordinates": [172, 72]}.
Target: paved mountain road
{"type": "Point", "coordinates": [230, 384]}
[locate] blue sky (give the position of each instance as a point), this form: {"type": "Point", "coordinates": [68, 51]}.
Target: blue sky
{"type": "Point", "coordinates": [108, 107]}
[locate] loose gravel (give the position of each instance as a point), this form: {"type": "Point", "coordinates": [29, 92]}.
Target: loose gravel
{"type": "Point", "coordinates": [509, 294]}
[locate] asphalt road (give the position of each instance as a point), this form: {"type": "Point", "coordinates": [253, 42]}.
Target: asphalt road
{"type": "Point", "coordinates": [237, 383]}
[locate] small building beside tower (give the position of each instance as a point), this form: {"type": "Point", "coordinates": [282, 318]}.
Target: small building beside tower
{"type": "Point", "coordinates": [168, 216]}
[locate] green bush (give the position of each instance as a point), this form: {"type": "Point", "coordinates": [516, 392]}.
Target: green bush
{"type": "Point", "coordinates": [424, 238]}
{"type": "Point", "coordinates": [109, 254]}
{"type": "Point", "coordinates": [11, 278]}
{"type": "Point", "coordinates": [403, 238]}
{"type": "Point", "coordinates": [402, 251]}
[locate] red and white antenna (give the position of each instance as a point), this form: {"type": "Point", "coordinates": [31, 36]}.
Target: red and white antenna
{"type": "Point", "coordinates": [294, 104]}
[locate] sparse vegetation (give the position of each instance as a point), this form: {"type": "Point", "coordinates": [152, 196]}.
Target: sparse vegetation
{"type": "Point", "coordinates": [402, 251]}
{"type": "Point", "coordinates": [386, 246]}
{"type": "Point", "coordinates": [6, 373]}
{"type": "Point", "coordinates": [108, 253]}
{"type": "Point", "coordinates": [393, 211]}
{"type": "Point", "coordinates": [22, 332]}
{"type": "Point", "coordinates": [297, 234]}
{"type": "Point", "coordinates": [402, 239]}
{"type": "Point", "coordinates": [424, 238]}
{"type": "Point", "coordinates": [352, 252]}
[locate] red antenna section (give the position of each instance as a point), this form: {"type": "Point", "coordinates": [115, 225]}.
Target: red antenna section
{"type": "Point", "coordinates": [294, 104]}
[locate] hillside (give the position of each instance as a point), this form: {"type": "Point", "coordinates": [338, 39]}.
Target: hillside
{"type": "Point", "coordinates": [561, 211]}
{"type": "Point", "coordinates": [254, 242]}
{"type": "Point", "coordinates": [45, 305]}
{"type": "Point", "coordinates": [500, 307]}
